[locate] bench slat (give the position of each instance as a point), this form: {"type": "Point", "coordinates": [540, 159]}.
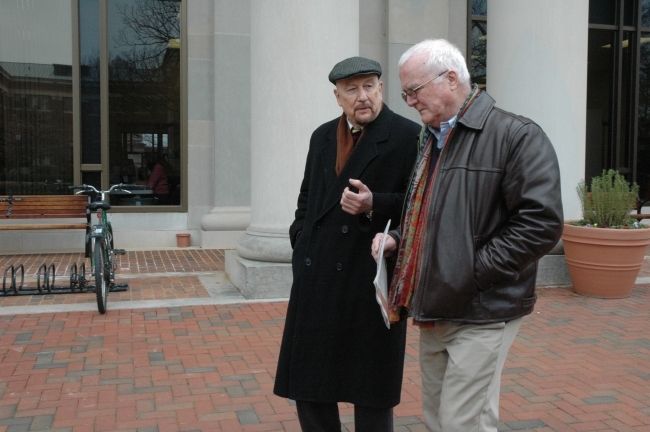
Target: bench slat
{"type": "Point", "coordinates": [22, 227]}
{"type": "Point", "coordinates": [68, 215]}
{"type": "Point", "coordinates": [45, 210]}
{"type": "Point", "coordinates": [46, 198]}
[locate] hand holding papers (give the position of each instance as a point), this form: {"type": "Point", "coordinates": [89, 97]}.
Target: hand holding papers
{"type": "Point", "coordinates": [381, 279]}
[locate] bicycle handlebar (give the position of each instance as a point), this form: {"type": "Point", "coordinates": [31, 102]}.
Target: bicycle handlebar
{"type": "Point", "coordinates": [120, 186]}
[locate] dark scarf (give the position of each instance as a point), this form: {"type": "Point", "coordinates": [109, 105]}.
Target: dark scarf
{"type": "Point", "coordinates": [344, 143]}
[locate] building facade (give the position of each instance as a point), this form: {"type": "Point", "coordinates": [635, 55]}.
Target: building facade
{"type": "Point", "coordinates": [225, 95]}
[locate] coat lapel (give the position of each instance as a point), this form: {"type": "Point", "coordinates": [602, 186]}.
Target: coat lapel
{"type": "Point", "coordinates": [364, 152]}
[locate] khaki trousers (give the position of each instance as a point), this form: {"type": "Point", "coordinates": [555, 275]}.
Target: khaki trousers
{"type": "Point", "coordinates": [461, 374]}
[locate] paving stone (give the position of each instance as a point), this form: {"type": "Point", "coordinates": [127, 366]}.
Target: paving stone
{"type": "Point", "coordinates": [42, 422]}
{"type": "Point", "coordinates": [247, 417]}
{"type": "Point", "coordinates": [524, 425]}
{"type": "Point", "coordinates": [601, 400]}
{"type": "Point", "coordinates": [156, 356]}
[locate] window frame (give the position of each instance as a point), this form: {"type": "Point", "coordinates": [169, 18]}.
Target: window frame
{"type": "Point", "coordinates": [104, 167]}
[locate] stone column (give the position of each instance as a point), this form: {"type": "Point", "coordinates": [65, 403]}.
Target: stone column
{"type": "Point", "coordinates": [413, 21]}
{"type": "Point", "coordinates": [537, 67]}
{"type": "Point", "coordinates": [229, 216]}
{"type": "Point", "coordinates": [294, 45]}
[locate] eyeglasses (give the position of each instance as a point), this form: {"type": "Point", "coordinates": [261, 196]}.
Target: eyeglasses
{"type": "Point", "coordinates": [413, 93]}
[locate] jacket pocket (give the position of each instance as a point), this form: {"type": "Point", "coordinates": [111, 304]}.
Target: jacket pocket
{"type": "Point", "coordinates": [529, 302]}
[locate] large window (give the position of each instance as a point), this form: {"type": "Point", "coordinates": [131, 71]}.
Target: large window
{"type": "Point", "coordinates": [90, 91]}
{"type": "Point", "coordinates": [144, 95]}
{"type": "Point", "coordinates": [618, 100]}
{"type": "Point", "coordinates": [36, 145]}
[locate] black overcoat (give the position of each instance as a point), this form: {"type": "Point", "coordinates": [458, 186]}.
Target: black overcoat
{"type": "Point", "coordinates": [336, 347]}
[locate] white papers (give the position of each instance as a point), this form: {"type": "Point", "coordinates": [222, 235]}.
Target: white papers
{"type": "Point", "coordinates": [381, 279]}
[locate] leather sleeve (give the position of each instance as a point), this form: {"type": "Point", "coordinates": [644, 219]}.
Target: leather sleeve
{"type": "Point", "coordinates": [532, 197]}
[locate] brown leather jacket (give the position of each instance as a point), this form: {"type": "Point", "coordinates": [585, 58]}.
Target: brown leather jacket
{"type": "Point", "coordinates": [496, 210]}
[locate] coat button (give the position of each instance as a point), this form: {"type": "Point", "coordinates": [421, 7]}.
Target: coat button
{"type": "Point", "coordinates": [344, 229]}
{"type": "Point", "coordinates": [307, 262]}
{"type": "Point", "coordinates": [339, 266]}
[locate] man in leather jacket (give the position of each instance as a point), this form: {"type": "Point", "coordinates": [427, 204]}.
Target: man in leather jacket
{"type": "Point", "coordinates": [483, 207]}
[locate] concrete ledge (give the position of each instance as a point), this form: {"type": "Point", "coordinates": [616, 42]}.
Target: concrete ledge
{"type": "Point", "coordinates": [258, 279]}
{"type": "Point", "coordinates": [553, 271]}
{"type": "Point", "coordinates": [219, 239]}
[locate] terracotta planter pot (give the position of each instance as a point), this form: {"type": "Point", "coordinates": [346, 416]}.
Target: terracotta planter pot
{"type": "Point", "coordinates": [183, 240]}
{"type": "Point", "coordinates": [604, 262]}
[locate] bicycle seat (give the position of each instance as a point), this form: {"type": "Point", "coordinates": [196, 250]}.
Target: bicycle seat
{"type": "Point", "coordinates": [99, 205]}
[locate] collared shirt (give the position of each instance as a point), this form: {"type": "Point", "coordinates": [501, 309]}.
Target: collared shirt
{"type": "Point", "coordinates": [350, 125]}
{"type": "Point", "coordinates": [441, 134]}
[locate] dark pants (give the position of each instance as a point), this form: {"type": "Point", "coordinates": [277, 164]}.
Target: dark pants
{"type": "Point", "coordinates": [324, 417]}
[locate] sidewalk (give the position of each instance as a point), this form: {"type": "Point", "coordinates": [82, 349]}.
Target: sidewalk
{"type": "Point", "coordinates": [182, 351]}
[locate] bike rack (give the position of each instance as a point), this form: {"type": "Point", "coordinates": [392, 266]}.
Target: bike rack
{"type": "Point", "coordinates": [45, 281]}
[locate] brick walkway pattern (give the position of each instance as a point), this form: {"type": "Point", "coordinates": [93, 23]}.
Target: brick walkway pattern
{"type": "Point", "coordinates": [578, 364]}
{"type": "Point", "coordinates": [151, 275]}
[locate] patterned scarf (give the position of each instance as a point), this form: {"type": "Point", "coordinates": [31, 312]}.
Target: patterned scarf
{"type": "Point", "coordinates": [406, 278]}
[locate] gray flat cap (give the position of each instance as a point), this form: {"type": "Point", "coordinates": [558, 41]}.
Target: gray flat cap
{"type": "Point", "coordinates": [354, 66]}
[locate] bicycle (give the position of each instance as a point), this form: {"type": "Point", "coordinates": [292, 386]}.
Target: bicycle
{"type": "Point", "coordinates": [99, 241]}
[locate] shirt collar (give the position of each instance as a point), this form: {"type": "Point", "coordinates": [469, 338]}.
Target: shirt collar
{"type": "Point", "coordinates": [441, 133]}
{"type": "Point", "coordinates": [350, 125]}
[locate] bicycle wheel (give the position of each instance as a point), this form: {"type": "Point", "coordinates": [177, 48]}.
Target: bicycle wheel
{"type": "Point", "coordinates": [101, 287]}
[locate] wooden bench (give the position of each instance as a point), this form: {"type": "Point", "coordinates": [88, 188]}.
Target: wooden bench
{"type": "Point", "coordinates": [15, 207]}
{"type": "Point", "coordinates": [639, 207]}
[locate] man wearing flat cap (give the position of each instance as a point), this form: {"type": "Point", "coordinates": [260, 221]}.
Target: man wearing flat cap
{"type": "Point", "coordinates": [336, 347]}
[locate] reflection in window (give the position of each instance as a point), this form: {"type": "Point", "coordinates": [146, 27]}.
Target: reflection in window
{"type": "Point", "coordinates": [144, 96]}
{"type": "Point", "coordinates": [90, 62]}
{"type": "Point", "coordinates": [479, 53]}
{"type": "Point", "coordinates": [625, 149]}
{"type": "Point", "coordinates": [35, 85]}
{"type": "Point", "coordinates": [477, 48]}
{"type": "Point", "coordinates": [643, 112]}
{"type": "Point", "coordinates": [479, 7]}
{"type": "Point", "coordinates": [600, 78]}
{"type": "Point", "coordinates": [645, 13]}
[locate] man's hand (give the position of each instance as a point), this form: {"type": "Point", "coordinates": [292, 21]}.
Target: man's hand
{"type": "Point", "coordinates": [389, 247]}
{"type": "Point", "coordinates": [357, 203]}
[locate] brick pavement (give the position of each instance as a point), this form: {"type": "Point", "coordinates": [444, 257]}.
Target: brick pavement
{"type": "Point", "coordinates": [151, 275]}
{"type": "Point", "coordinates": [578, 364]}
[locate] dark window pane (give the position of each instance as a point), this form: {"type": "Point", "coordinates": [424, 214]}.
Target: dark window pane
{"type": "Point", "coordinates": [624, 150]}
{"type": "Point", "coordinates": [600, 82]}
{"type": "Point", "coordinates": [645, 13]}
{"type": "Point", "coordinates": [602, 12]}
{"type": "Point", "coordinates": [629, 13]}
{"type": "Point", "coordinates": [479, 7]}
{"type": "Point", "coordinates": [144, 95]}
{"type": "Point", "coordinates": [478, 52]}
{"type": "Point", "coordinates": [643, 139]}
{"type": "Point", "coordinates": [90, 105]}
{"type": "Point", "coordinates": [35, 80]}
{"type": "Point", "coordinates": [93, 178]}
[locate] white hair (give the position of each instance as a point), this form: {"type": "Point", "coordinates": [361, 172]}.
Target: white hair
{"type": "Point", "coordinates": [442, 55]}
